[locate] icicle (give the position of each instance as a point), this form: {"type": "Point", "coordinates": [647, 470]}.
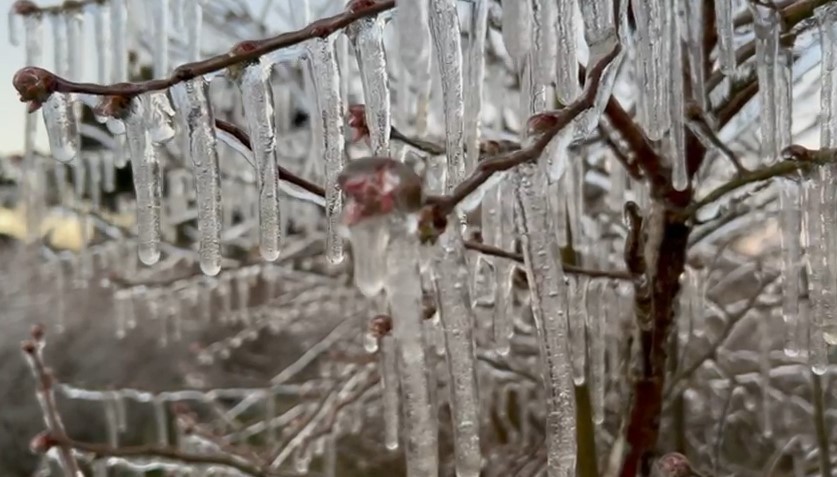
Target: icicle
{"type": "Point", "coordinates": [516, 31]}
{"type": "Point", "coordinates": [766, 25]}
{"type": "Point", "coordinates": [75, 49]}
{"type": "Point", "coordinates": [599, 26]}
{"type": "Point", "coordinates": [724, 22]}
{"type": "Point", "coordinates": [161, 123]}
{"type": "Point", "coordinates": [258, 110]}
{"type": "Point", "coordinates": [566, 82]}
{"type": "Point", "coordinates": [94, 164]}
{"type": "Point", "coordinates": [411, 18]}
{"type": "Point", "coordinates": [451, 276]}
{"type": "Point", "coordinates": [327, 87]}
{"type": "Point", "coordinates": [544, 41]}
{"type": "Point", "coordinates": [576, 298]}
{"type": "Point", "coordinates": [596, 324]}
{"type": "Point", "coordinates": [544, 274]}
{"type": "Point", "coordinates": [146, 172]}
{"type": "Point", "coordinates": [61, 126]}
{"type": "Point", "coordinates": [160, 37]}
{"type": "Point", "coordinates": [119, 38]}
{"type": "Point", "coordinates": [191, 99]}
{"type": "Point", "coordinates": [653, 43]}
{"type": "Point", "coordinates": [403, 288]}
{"type": "Point", "coordinates": [161, 421]}
{"type": "Point", "coordinates": [101, 37]}
{"type": "Point", "coordinates": [503, 317]}
{"type": "Point", "coordinates": [476, 79]}
{"type": "Point", "coordinates": [14, 34]}
{"type": "Point", "coordinates": [677, 134]}
{"type": "Point", "coordinates": [368, 39]}
{"type": "Point", "coordinates": [694, 27]}
{"type": "Point", "coordinates": [765, 335]}
{"type": "Point", "coordinates": [389, 375]}
{"type": "Point", "coordinates": [369, 240]}
{"type": "Point", "coordinates": [815, 307]}
{"type": "Point", "coordinates": [444, 27]}
{"type": "Point", "coordinates": [193, 19]}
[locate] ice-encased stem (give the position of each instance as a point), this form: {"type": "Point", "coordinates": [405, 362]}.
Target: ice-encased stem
{"type": "Point", "coordinates": [257, 99]}
{"type": "Point", "coordinates": [391, 401]}
{"type": "Point", "coordinates": [403, 289]}
{"type": "Point", "coordinates": [545, 276]}
{"type": "Point", "coordinates": [451, 277]}
{"type": "Point", "coordinates": [61, 126]}
{"type": "Point", "coordinates": [766, 25]}
{"type": "Point", "coordinates": [368, 38]}
{"type": "Point", "coordinates": [476, 78]}
{"type": "Point", "coordinates": [566, 81]}
{"type": "Point", "coordinates": [653, 41]}
{"type": "Point", "coordinates": [146, 172]}
{"type": "Point", "coordinates": [444, 28]}
{"type": "Point", "coordinates": [326, 79]}
{"type": "Point", "coordinates": [724, 23]}
{"type": "Point", "coordinates": [191, 100]}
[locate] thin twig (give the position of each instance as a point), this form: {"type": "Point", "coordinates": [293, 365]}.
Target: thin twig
{"type": "Point", "coordinates": [568, 268]}
{"type": "Point", "coordinates": [33, 350]}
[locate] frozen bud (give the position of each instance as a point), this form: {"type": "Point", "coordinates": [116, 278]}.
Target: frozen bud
{"type": "Point", "coordinates": [41, 443]}
{"type": "Point", "coordinates": [241, 49]}
{"type": "Point", "coordinates": [796, 152]}
{"type": "Point", "coordinates": [376, 186]}
{"type": "Point", "coordinates": [34, 85]}
{"type": "Point", "coordinates": [673, 464]}
{"type": "Point", "coordinates": [25, 7]}
{"type": "Point", "coordinates": [380, 326]}
{"type": "Point", "coordinates": [360, 5]}
{"type": "Point", "coordinates": [541, 123]}
{"type": "Point", "coordinates": [28, 346]}
{"type": "Point", "coordinates": [356, 117]}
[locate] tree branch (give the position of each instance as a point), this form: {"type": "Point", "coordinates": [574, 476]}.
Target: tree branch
{"type": "Point", "coordinates": [318, 29]}
{"type": "Point", "coordinates": [802, 158]}
{"type": "Point", "coordinates": [568, 268]}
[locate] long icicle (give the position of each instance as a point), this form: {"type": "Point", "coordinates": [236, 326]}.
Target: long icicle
{"type": "Point", "coordinates": [191, 100]}
{"type": "Point", "coordinates": [451, 275]}
{"type": "Point", "coordinates": [503, 316]}
{"type": "Point", "coordinates": [653, 38]}
{"type": "Point", "coordinates": [326, 78]}
{"type": "Point", "coordinates": [596, 323]}
{"type": "Point", "coordinates": [566, 81]}
{"type": "Point", "coordinates": [119, 35]}
{"type": "Point", "coordinates": [257, 99]}
{"type": "Point", "coordinates": [444, 28]}
{"type": "Point", "coordinates": [146, 172]}
{"type": "Point", "coordinates": [766, 24]}
{"type": "Point", "coordinates": [576, 297]}
{"type": "Point", "coordinates": [160, 37]}
{"type": "Point", "coordinates": [544, 42]}
{"type": "Point", "coordinates": [403, 289]}
{"type": "Point", "coordinates": [368, 38]}
{"type": "Point", "coordinates": [391, 401]}
{"type": "Point", "coordinates": [193, 18]}
{"type": "Point", "coordinates": [677, 134]}
{"type": "Point", "coordinates": [544, 273]}
{"type": "Point", "coordinates": [476, 79]}
{"type": "Point", "coordinates": [725, 24]}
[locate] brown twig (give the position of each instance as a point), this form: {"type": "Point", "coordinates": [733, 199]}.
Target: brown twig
{"type": "Point", "coordinates": [255, 49]}
{"type": "Point", "coordinates": [33, 350]}
{"type": "Point", "coordinates": [568, 268]}
{"type": "Point", "coordinates": [284, 174]}
{"type": "Point", "coordinates": [27, 8]}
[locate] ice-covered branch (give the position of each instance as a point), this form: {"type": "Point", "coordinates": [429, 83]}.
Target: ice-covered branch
{"type": "Point", "coordinates": [799, 158]}
{"type": "Point", "coordinates": [33, 350]}
{"type": "Point", "coordinates": [318, 29]}
{"type": "Point", "coordinates": [568, 268]}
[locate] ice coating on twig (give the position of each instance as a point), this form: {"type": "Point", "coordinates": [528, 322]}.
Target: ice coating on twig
{"type": "Point", "coordinates": [191, 101]}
